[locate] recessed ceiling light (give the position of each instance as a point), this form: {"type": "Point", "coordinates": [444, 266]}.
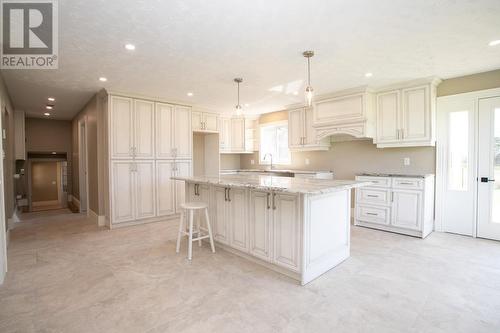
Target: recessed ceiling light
{"type": "Point", "coordinates": [51, 99]}
{"type": "Point", "coordinates": [49, 107]}
{"type": "Point", "coordinates": [46, 114]}
{"type": "Point", "coordinates": [103, 79]}
{"type": "Point", "coordinates": [130, 47]}
{"type": "Point", "coordinates": [295, 92]}
{"type": "Point", "coordinates": [494, 42]}
{"type": "Point", "coordinates": [190, 94]}
{"type": "Point", "coordinates": [368, 74]}
{"type": "Point", "coordinates": [53, 153]}
{"type": "Point", "coordinates": [247, 105]}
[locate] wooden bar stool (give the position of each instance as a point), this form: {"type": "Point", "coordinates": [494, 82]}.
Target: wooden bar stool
{"type": "Point", "coordinates": [191, 208]}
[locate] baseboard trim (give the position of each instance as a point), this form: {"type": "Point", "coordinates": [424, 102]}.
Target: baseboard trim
{"type": "Point", "coordinates": [44, 203]}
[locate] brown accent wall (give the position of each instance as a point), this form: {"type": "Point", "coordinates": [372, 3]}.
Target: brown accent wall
{"type": "Point", "coordinates": [44, 182]}
{"type": "Point", "coordinates": [468, 83]}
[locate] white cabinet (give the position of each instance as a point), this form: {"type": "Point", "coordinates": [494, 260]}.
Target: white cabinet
{"type": "Point", "coordinates": [400, 204]}
{"type": "Point", "coordinates": [19, 135]}
{"type": "Point", "coordinates": [204, 121]}
{"type": "Point", "coordinates": [182, 134]}
{"type": "Point", "coordinates": [237, 205]}
{"type": "Point", "coordinates": [219, 218]}
{"type": "Point", "coordinates": [165, 188]}
{"type": "Point", "coordinates": [133, 192]}
{"type": "Point", "coordinates": [225, 134]}
{"type": "Point", "coordinates": [132, 130]}
{"type": "Point", "coordinates": [302, 134]}
{"type": "Point", "coordinates": [260, 225]}
{"type": "Point", "coordinates": [173, 128]}
{"type": "Point", "coordinates": [406, 115]}
{"type": "Point", "coordinates": [182, 168]}
{"type": "Point", "coordinates": [238, 134]}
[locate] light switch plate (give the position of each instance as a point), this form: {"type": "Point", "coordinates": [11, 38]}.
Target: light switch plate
{"type": "Point", "coordinates": [252, 162]}
{"type": "Point", "coordinates": [307, 161]}
{"type": "Point", "coordinates": [406, 161]}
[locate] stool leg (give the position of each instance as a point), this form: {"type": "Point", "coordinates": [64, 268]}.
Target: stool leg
{"type": "Point", "coordinates": [190, 244]}
{"type": "Point", "coordinates": [198, 225]}
{"type": "Point", "coordinates": [207, 219]}
{"type": "Point", "coordinates": [179, 234]}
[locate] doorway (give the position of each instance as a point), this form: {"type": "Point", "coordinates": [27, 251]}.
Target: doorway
{"type": "Point", "coordinates": [47, 184]}
{"type": "Point", "coordinates": [468, 164]}
{"type": "Point", "coordinates": [83, 165]}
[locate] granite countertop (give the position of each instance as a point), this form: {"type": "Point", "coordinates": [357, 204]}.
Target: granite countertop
{"type": "Point", "coordinates": [277, 171]}
{"type": "Point", "coordinates": [375, 174]}
{"type": "Point", "coordinates": [280, 184]}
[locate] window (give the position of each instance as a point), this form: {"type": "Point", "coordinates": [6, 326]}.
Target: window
{"type": "Point", "coordinates": [274, 141]}
{"type": "Point", "coordinates": [458, 159]}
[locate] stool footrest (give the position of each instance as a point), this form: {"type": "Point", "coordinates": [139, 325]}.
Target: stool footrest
{"type": "Point", "coordinates": [200, 238]}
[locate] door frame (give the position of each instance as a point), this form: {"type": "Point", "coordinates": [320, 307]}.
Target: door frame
{"type": "Point", "coordinates": [3, 225]}
{"type": "Point", "coordinates": [441, 150]}
{"type": "Point", "coordinates": [83, 164]}
{"type": "Point", "coordinates": [28, 167]}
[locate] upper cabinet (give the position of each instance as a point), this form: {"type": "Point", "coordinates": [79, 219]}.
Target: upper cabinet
{"type": "Point", "coordinates": [301, 133]}
{"type": "Point", "coordinates": [406, 115]}
{"type": "Point", "coordinates": [204, 121]}
{"type": "Point", "coordinates": [349, 112]}
{"type": "Point", "coordinates": [173, 128]}
{"type": "Point", "coordinates": [144, 117]}
{"type": "Point", "coordinates": [237, 135]}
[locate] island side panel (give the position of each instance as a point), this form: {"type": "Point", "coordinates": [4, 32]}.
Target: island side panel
{"type": "Point", "coordinates": [326, 232]}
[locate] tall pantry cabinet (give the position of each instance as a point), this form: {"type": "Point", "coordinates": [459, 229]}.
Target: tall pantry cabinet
{"type": "Point", "coordinates": [149, 142]}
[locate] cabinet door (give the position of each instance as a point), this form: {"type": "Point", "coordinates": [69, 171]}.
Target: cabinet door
{"type": "Point", "coordinates": [183, 135]}
{"type": "Point", "coordinates": [309, 130]}
{"type": "Point", "coordinates": [145, 200]}
{"type": "Point", "coordinates": [225, 134]}
{"type": "Point", "coordinates": [210, 122]}
{"type": "Point", "coordinates": [165, 188]}
{"type": "Point", "coordinates": [183, 169]}
{"type": "Point", "coordinates": [238, 134]}
{"type": "Point", "coordinates": [295, 128]}
{"type": "Point", "coordinates": [123, 192]}
{"type": "Point", "coordinates": [237, 203]}
{"type": "Point", "coordinates": [388, 113]}
{"type": "Point", "coordinates": [121, 126]}
{"type": "Point", "coordinates": [164, 126]}
{"type": "Point", "coordinates": [219, 215]}
{"type": "Point", "coordinates": [416, 114]}
{"type": "Point", "coordinates": [196, 120]}
{"type": "Point", "coordinates": [407, 209]}
{"type": "Point", "coordinates": [144, 118]}
{"type": "Point", "coordinates": [260, 224]}
{"type": "Point", "coordinates": [286, 225]}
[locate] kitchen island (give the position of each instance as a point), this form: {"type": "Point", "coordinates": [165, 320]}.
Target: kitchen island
{"type": "Point", "coordinates": [299, 227]}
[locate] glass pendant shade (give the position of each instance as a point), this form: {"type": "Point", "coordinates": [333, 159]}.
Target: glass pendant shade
{"type": "Point", "coordinates": [309, 95]}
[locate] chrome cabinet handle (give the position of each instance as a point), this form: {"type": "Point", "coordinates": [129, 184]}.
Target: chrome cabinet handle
{"type": "Point", "coordinates": [268, 204]}
{"type": "Point", "coordinates": [274, 201]}
{"type": "Point", "coordinates": [229, 194]}
{"type": "Point", "coordinates": [225, 193]}
{"type": "Point", "coordinates": [405, 183]}
{"type": "Point", "coordinates": [372, 196]}
{"type": "Point", "coordinates": [373, 214]}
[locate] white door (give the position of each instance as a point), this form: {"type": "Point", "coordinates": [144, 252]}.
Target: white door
{"type": "Point", "coordinates": [260, 224]}
{"type": "Point", "coordinates": [238, 134]}
{"type": "Point", "coordinates": [286, 223]}
{"type": "Point", "coordinates": [144, 138]}
{"type": "Point", "coordinates": [182, 169]}
{"type": "Point", "coordinates": [165, 188]}
{"type": "Point", "coordinates": [121, 119]}
{"type": "Point", "coordinates": [210, 122]}
{"type": "Point", "coordinates": [488, 216]}
{"type": "Point", "coordinates": [388, 122]}
{"type": "Point", "coordinates": [220, 215]}
{"type": "Point", "coordinates": [183, 135]}
{"type": "Point", "coordinates": [237, 218]}
{"type": "Point", "coordinates": [416, 114]}
{"type": "Point", "coordinates": [145, 200]}
{"type": "Point", "coordinates": [225, 134]}
{"type": "Point", "coordinates": [295, 128]}
{"type": "Point", "coordinates": [164, 137]}
{"type": "Point", "coordinates": [407, 209]}
{"type": "Point", "coordinates": [196, 120]}
{"type": "Point", "coordinates": [123, 191]}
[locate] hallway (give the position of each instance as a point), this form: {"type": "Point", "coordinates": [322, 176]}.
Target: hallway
{"type": "Point", "coordinates": [67, 275]}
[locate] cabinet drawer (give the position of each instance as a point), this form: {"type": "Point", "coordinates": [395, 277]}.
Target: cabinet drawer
{"type": "Point", "coordinates": [377, 181]}
{"type": "Point", "coordinates": [408, 183]}
{"type": "Point", "coordinates": [373, 214]}
{"type": "Point", "coordinates": [370, 195]}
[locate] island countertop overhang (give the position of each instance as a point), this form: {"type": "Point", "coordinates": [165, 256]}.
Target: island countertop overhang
{"type": "Point", "coordinates": [274, 183]}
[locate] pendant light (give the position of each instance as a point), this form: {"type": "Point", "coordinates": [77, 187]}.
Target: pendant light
{"type": "Point", "coordinates": [239, 110]}
{"type": "Point", "coordinates": [309, 89]}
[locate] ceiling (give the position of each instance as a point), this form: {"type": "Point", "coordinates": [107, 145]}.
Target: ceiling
{"type": "Point", "coordinates": [200, 46]}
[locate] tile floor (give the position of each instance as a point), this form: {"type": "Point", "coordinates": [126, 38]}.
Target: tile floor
{"type": "Point", "coordinates": [66, 275]}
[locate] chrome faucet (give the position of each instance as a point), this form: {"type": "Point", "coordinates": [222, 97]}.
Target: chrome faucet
{"type": "Point", "coordinates": [271, 155]}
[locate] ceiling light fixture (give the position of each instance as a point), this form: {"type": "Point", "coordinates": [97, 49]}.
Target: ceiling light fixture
{"type": "Point", "coordinates": [51, 99]}
{"type": "Point", "coordinates": [238, 80]}
{"type": "Point", "coordinates": [309, 89]}
{"type": "Point", "coordinates": [49, 107]}
{"type": "Point", "coordinates": [295, 93]}
{"type": "Point", "coordinates": [494, 42]}
{"type": "Point", "coordinates": [189, 94]}
{"type": "Point", "coordinates": [247, 105]}
{"type": "Point", "coordinates": [54, 153]}
{"type": "Point", "coordinates": [103, 79]}
{"type": "Point", "coordinates": [46, 114]}
{"type": "Point", "coordinates": [130, 47]}
{"type": "Point", "coordinates": [368, 74]}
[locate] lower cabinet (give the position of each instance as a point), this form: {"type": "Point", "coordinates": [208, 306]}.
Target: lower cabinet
{"type": "Point", "coordinates": [260, 224]}
{"type": "Point", "coordinates": [406, 209]}
{"type": "Point", "coordinates": [170, 193]}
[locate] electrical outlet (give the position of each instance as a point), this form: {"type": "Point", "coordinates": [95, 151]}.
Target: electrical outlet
{"type": "Point", "coordinates": [307, 161]}
{"type": "Point", "coordinates": [252, 162]}
{"type": "Point", "coordinates": [406, 161]}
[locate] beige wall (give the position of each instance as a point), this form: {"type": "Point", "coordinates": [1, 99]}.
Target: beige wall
{"type": "Point", "coordinates": [463, 84]}
{"type": "Point", "coordinates": [89, 112]}
{"type": "Point", "coordinates": [48, 135]}
{"type": "Point", "coordinates": [229, 161]}
{"type": "Point", "coordinates": [44, 182]}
